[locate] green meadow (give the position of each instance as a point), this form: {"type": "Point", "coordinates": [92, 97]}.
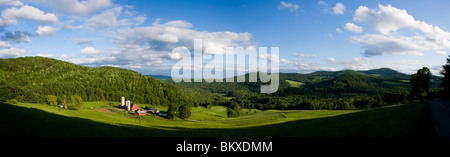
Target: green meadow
{"type": "Point", "coordinates": [294, 83]}
{"type": "Point", "coordinates": [100, 119]}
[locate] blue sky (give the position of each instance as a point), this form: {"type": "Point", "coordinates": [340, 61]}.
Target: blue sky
{"type": "Point", "coordinates": [312, 35]}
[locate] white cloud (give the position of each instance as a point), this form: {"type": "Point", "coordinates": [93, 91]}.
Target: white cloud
{"type": "Point", "coordinates": [175, 56]}
{"type": "Point", "coordinates": [11, 15]}
{"type": "Point", "coordinates": [331, 59]}
{"type": "Point", "coordinates": [410, 66]}
{"type": "Point", "coordinates": [90, 51]}
{"type": "Point", "coordinates": [11, 52]}
{"type": "Point", "coordinates": [139, 20]}
{"type": "Point", "coordinates": [378, 44]}
{"type": "Point", "coordinates": [17, 36]}
{"type": "Point", "coordinates": [45, 31]}
{"type": "Point", "coordinates": [289, 6]}
{"type": "Point", "coordinates": [339, 30]}
{"type": "Point", "coordinates": [46, 55]}
{"type": "Point", "coordinates": [357, 63]}
{"type": "Point", "coordinates": [149, 48]}
{"type": "Point", "coordinates": [353, 28]}
{"type": "Point", "coordinates": [108, 18]}
{"type": "Point", "coordinates": [339, 9]}
{"type": "Point", "coordinates": [15, 3]}
{"type": "Point", "coordinates": [322, 3]}
{"type": "Point", "coordinates": [387, 20]}
{"type": "Point", "coordinates": [304, 56]}
{"type": "Point", "coordinates": [285, 61]}
{"type": "Point", "coordinates": [4, 44]}
{"type": "Point", "coordinates": [167, 36]}
{"type": "Point", "coordinates": [74, 7]}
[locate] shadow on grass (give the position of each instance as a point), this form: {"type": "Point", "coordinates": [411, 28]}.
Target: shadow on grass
{"type": "Point", "coordinates": [396, 121]}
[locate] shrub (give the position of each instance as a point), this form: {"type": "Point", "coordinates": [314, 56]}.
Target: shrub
{"type": "Point", "coordinates": [13, 101]}
{"type": "Point", "coordinates": [76, 103]}
{"type": "Point", "coordinates": [184, 112]}
{"type": "Point", "coordinates": [232, 113]}
{"type": "Point", "coordinates": [52, 100]}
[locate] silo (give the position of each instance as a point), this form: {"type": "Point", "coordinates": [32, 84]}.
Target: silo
{"type": "Point", "coordinates": [123, 101]}
{"type": "Point", "coordinates": [128, 103]}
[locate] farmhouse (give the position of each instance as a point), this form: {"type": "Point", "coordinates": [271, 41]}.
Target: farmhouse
{"type": "Point", "coordinates": [140, 112]}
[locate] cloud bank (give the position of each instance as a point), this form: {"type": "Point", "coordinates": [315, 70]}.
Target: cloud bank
{"type": "Point", "coordinates": [390, 25]}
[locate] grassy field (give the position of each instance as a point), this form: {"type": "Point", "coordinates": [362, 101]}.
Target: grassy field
{"type": "Point", "coordinates": [95, 119]}
{"type": "Point", "coordinates": [295, 83]}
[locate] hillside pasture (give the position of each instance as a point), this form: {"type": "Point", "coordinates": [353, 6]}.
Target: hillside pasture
{"type": "Point", "coordinates": [295, 84]}
{"type": "Point", "coordinates": [26, 119]}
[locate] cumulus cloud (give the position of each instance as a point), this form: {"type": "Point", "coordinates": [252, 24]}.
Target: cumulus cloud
{"type": "Point", "coordinates": [378, 44]}
{"type": "Point", "coordinates": [387, 21]}
{"type": "Point", "coordinates": [45, 55]}
{"type": "Point", "coordinates": [357, 63]}
{"type": "Point", "coordinates": [11, 15]}
{"type": "Point", "coordinates": [11, 52]}
{"type": "Point", "coordinates": [339, 9]}
{"type": "Point", "coordinates": [10, 3]}
{"type": "Point", "coordinates": [167, 36]}
{"type": "Point", "coordinates": [149, 48]}
{"type": "Point", "coordinates": [108, 18]}
{"type": "Point", "coordinates": [4, 44]}
{"type": "Point", "coordinates": [353, 28]}
{"type": "Point", "coordinates": [45, 31]}
{"type": "Point", "coordinates": [90, 51]}
{"type": "Point", "coordinates": [331, 59]}
{"type": "Point", "coordinates": [294, 8]}
{"type": "Point", "coordinates": [17, 36]}
{"type": "Point", "coordinates": [74, 7]}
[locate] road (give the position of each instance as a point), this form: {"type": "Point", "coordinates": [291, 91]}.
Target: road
{"type": "Point", "coordinates": [440, 110]}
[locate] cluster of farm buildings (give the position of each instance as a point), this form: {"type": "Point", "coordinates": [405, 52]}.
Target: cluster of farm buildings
{"type": "Point", "coordinates": [129, 106]}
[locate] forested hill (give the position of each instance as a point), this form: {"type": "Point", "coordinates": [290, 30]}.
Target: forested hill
{"type": "Point", "coordinates": [376, 81]}
{"type": "Point", "coordinates": [329, 83]}
{"type": "Point", "coordinates": [31, 79]}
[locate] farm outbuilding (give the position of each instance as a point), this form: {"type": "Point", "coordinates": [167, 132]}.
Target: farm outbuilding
{"type": "Point", "coordinates": [134, 107]}
{"type": "Point", "coordinates": [140, 112]}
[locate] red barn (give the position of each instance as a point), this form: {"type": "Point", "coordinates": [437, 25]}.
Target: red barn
{"type": "Point", "coordinates": [134, 107]}
{"type": "Point", "coordinates": [140, 112]}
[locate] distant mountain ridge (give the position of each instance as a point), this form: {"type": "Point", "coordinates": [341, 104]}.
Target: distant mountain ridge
{"type": "Point", "coordinates": [375, 81]}
{"type": "Point", "coordinates": [339, 83]}
{"type": "Point", "coordinates": [160, 77]}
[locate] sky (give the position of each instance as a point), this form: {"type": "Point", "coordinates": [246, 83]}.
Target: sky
{"type": "Point", "coordinates": [312, 35]}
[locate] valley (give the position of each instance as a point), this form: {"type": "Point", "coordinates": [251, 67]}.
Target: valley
{"type": "Point", "coordinates": [41, 120]}
{"type": "Point", "coordinates": [57, 98]}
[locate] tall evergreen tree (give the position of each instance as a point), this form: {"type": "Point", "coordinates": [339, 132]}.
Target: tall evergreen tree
{"type": "Point", "coordinates": [446, 80]}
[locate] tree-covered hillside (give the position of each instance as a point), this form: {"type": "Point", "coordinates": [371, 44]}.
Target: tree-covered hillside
{"type": "Point", "coordinates": [31, 79]}
{"type": "Point", "coordinates": [342, 83]}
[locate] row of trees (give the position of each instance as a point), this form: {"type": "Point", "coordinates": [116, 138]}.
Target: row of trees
{"type": "Point", "coordinates": [305, 102]}
{"type": "Point", "coordinates": [76, 102]}
{"type": "Point", "coordinates": [420, 83]}
{"type": "Point", "coordinates": [446, 80]}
